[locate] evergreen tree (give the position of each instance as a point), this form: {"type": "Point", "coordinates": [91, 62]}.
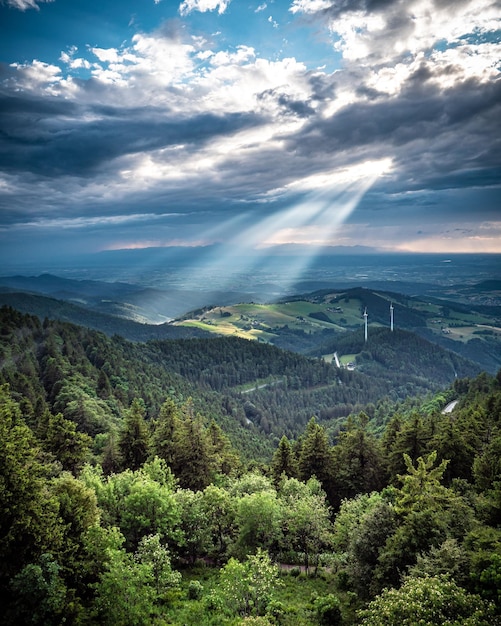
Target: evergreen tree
{"type": "Point", "coordinates": [316, 459]}
{"type": "Point", "coordinates": [134, 439]}
{"type": "Point", "coordinates": [193, 464]}
{"type": "Point", "coordinates": [62, 439]}
{"type": "Point", "coordinates": [166, 430]}
{"type": "Point", "coordinates": [284, 462]}
{"type": "Point", "coordinates": [359, 467]}
{"type": "Point", "coordinates": [455, 443]}
{"type": "Point", "coordinates": [111, 460]}
{"type": "Point", "coordinates": [28, 513]}
{"type": "Point", "coordinates": [411, 439]}
{"type": "Point", "coordinates": [225, 458]}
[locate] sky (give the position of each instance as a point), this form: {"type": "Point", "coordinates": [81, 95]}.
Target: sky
{"type": "Point", "coordinates": [303, 124]}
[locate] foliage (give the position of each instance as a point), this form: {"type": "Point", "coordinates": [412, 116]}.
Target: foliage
{"type": "Point", "coordinates": [428, 600]}
{"type": "Point", "coordinates": [40, 594]}
{"type": "Point", "coordinates": [28, 512]}
{"type": "Point", "coordinates": [125, 594]}
{"type": "Point", "coordinates": [328, 609]}
{"type": "Point", "coordinates": [134, 440]}
{"type": "Point", "coordinates": [259, 519]}
{"type": "Point", "coordinates": [306, 515]}
{"type": "Point", "coordinates": [113, 475]}
{"type": "Point", "coordinates": [136, 503]}
{"type": "Point", "coordinates": [195, 590]}
{"type": "Point", "coordinates": [247, 588]}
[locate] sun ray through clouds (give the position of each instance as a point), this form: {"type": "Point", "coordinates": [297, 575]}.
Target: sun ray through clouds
{"type": "Point", "coordinates": [249, 243]}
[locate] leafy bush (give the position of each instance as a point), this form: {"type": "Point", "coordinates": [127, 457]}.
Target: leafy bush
{"type": "Point", "coordinates": [433, 600]}
{"type": "Point", "coordinates": [327, 610]}
{"type": "Point", "coordinates": [195, 590]}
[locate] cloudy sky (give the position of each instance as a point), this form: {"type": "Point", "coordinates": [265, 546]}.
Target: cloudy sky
{"type": "Point", "coordinates": [255, 123]}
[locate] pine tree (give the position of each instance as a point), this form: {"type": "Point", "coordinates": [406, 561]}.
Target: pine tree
{"type": "Point", "coordinates": [359, 467]}
{"type": "Point", "coordinates": [165, 432]}
{"type": "Point", "coordinates": [111, 455]}
{"type": "Point", "coordinates": [134, 440]}
{"type": "Point", "coordinates": [284, 461]}
{"type": "Point", "coordinates": [193, 463]}
{"type": "Point", "coordinates": [316, 458]}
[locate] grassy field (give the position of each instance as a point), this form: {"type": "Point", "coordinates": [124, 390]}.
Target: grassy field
{"type": "Point", "coordinates": [254, 321]}
{"type": "Point", "coordinates": [338, 312]}
{"type": "Point", "coordinates": [293, 599]}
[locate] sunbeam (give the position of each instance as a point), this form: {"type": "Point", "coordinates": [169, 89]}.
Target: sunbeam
{"type": "Point", "coordinates": [312, 222]}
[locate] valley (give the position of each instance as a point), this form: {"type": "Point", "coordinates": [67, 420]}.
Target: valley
{"type": "Point", "coordinates": [263, 445]}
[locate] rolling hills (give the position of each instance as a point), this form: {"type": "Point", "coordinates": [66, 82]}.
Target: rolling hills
{"type": "Point", "coordinates": [312, 323]}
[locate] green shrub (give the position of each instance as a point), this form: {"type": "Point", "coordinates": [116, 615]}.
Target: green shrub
{"type": "Point", "coordinates": [195, 590]}
{"type": "Point", "coordinates": [327, 610]}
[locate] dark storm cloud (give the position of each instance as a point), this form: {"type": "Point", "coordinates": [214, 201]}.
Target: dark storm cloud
{"type": "Point", "coordinates": [435, 135]}
{"type": "Point", "coordinates": [323, 86]}
{"type": "Point", "coordinates": [50, 138]}
{"type": "Point", "coordinates": [288, 104]}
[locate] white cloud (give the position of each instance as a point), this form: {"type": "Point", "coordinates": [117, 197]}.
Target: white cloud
{"type": "Point", "coordinates": [38, 75]}
{"type": "Point", "coordinates": [309, 6]}
{"type": "Point", "coordinates": [23, 5]}
{"type": "Point", "coordinates": [410, 27]}
{"type": "Point", "coordinates": [258, 159]}
{"type": "Point", "coordinates": [85, 222]}
{"type": "Point", "coordinates": [107, 55]}
{"type": "Point", "coordinates": [261, 7]}
{"type": "Point", "coordinates": [242, 55]}
{"type": "Point", "coordinates": [203, 6]}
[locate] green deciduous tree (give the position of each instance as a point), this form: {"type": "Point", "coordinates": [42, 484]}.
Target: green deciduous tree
{"type": "Point", "coordinates": [247, 588]}
{"type": "Point", "coordinates": [195, 526]}
{"type": "Point", "coordinates": [140, 503]}
{"type": "Point", "coordinates": [429, 601]}
{"type": "Point", "coordinates": [151, 552]}
{"type": "Point", "coordinates": [258, 518]}
{"type": "Point", "coordinates": [40, 595]}
{"type": "Point", "coordinates": [361, 529]}
{"type": "Point", "coordinates": [125, 593]}
{"type": "Point", "coordinates": [219, 510]}
{"type": "Point", "coordinates": [306, 520]}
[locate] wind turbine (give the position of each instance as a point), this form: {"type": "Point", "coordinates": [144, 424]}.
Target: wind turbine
{"type": "Point", "coordinates": [365, 321]}
{"type": "Point", "coordinates": [391, 316]}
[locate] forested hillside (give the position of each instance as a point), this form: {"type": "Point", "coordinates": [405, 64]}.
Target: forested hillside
{"type": "Point", "coordinates": [51, 308]}
{"type": "Point", "coordinates": [255, 391]}
{"type": "Point", "coordinates": [117, 509]}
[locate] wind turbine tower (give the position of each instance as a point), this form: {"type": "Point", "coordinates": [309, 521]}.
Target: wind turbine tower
{"type": "Point", "coordinates": [365, 322]}
{"type": "Point", "coordinates": [391, 316]}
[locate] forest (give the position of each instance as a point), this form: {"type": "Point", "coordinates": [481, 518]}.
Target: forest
{"type": "Point", "coordinates": [161, 483]}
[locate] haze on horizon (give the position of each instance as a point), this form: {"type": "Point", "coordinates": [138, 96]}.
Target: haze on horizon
{"type": "Point", "coordinates": [258, 124]}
